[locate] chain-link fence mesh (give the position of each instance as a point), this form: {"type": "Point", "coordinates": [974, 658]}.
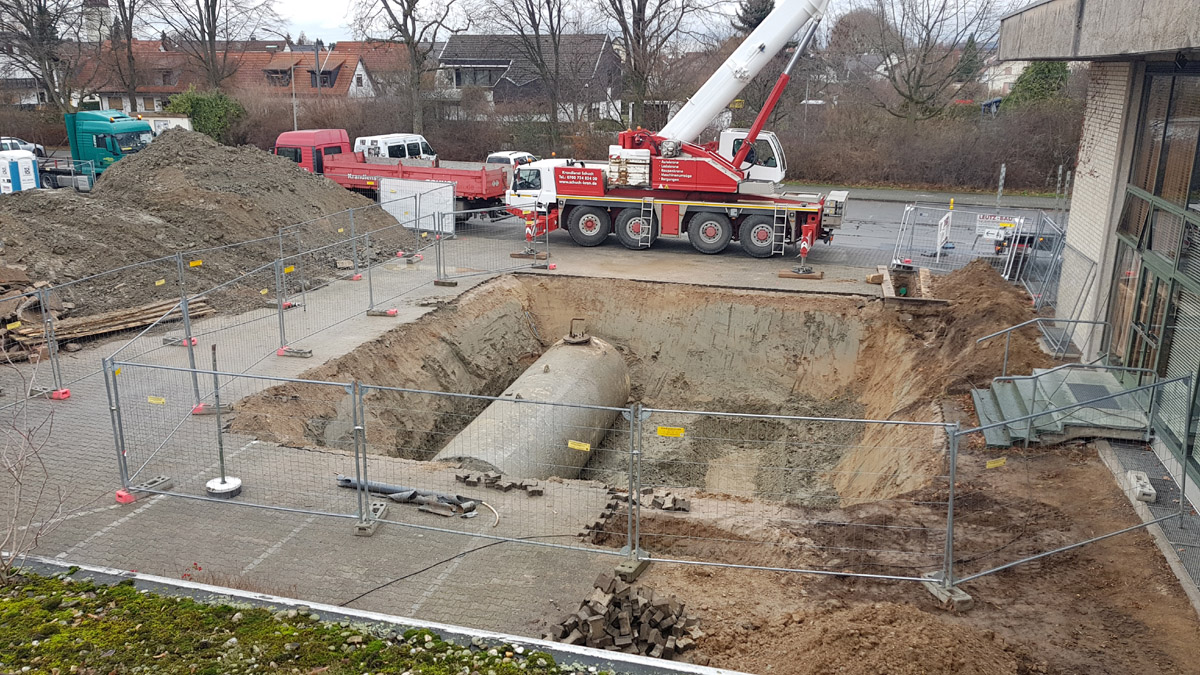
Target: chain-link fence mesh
{"type": "Point", "coordinates": [488, 241]}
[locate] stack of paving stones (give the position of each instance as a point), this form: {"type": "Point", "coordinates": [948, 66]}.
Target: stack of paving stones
{"type": "Point", "coordinates": [633, 619]}
{"type": "Point", "coordinates": [497, 481]}
{"type": "Point", "coordinates": [595, 532]}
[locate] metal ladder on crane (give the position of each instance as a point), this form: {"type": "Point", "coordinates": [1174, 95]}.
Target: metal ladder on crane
{"type": "Point", "coordinates": [647, 222]}
{"type": "Point", "coordinates": [780, 224]}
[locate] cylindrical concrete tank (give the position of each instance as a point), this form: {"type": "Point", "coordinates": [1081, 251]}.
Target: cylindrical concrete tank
{"type": "Point", "coordinates": [521, 438]}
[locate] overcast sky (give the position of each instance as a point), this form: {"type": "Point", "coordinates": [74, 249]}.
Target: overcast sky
{"type": "Point", "coordinates": [328, 20]}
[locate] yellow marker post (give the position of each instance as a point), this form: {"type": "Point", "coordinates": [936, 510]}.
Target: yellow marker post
{"type": "Point", "coordinates": [160, 282]}
{"type": "Point", "coordinates": [952, 203]}
{"type": "Point", "coordinates": [671, 432]}
{"type": "Point", "coordinates": [997, 463]}
{"type": "Point", "coordinates": [196, 263]}
{"type": "Point", "coordinates": [289, 269]}
{"type": "Point", "coordinates": [580, 446]}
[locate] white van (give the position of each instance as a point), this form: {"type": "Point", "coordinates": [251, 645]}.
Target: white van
{"type": "Point", "coordinates": [395, 146]}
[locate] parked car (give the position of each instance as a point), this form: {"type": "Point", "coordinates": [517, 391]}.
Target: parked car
{"type": "Point", "coordinates": [510, 158]}
{"type": "Point", "coordinates": [13, 143]}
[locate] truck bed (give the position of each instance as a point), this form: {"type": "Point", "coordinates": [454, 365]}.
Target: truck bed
{"type": "Point", "coordinates": [353, 170]}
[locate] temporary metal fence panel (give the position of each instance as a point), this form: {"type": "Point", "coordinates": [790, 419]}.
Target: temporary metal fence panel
{"type": "Point", "coordinates": [415, 202]}
{"type": "Point", "coordinates": [1064, 294]}
{"type": "Point", "coordinates": [943, 239]}
{"type": "Point", "coordinates": [161, 434]}
{"type": "Point", "coordinates": [793, 493]}
{"type": "Point", "coordinates": [487, 241]}
{"type": "Point", "coordinates": [985, 541]}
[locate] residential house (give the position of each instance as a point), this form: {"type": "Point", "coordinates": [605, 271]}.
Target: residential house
{"type": "Point", "coordinates": [1000, 76]}
{"type": "Point", "coordinates": [499, 67]}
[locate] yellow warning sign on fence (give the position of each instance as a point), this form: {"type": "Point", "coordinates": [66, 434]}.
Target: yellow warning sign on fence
{"type": "Point", "coordinates": [13, 326]}
{"type": "Point", "coordinates": [289, 269]}
{"type": "Point", "coordinates": [156, 400]}
{"type": "Point", "coordinates": [579, 445]}
{"type": "Point", "coordinates": [160, 282]}
{"type": "Point", "coordinates": [670, 432]}
{"type": "Point", "coordinates": [196, 263]}
{"type": "Point", "coordinates": [263, 292]}
{"type": "Point", "coordinates": [117, 371]}
{"type": "Point", "coordinates": [997, 463]}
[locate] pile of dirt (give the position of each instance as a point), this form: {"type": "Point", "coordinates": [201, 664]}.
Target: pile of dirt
{"type": "Point", "coordinates": [981, 303]}
{"type": "Point", "coordinates": [877, 638]}
{"type": "Point", "coordinates": [183, 192]}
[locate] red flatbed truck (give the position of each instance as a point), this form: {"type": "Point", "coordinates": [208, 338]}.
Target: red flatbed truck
{"type": "Point", "coordinates": [328, 152]}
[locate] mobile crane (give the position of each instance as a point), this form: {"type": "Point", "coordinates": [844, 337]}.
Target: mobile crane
{"type": "Point", "coordinates": [663, 184]}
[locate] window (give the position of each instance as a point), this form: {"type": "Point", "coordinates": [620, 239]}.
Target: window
{"type": "Point", "coordinates": [358, 80]}
{"type": "Point", "coordinates": [279, 78]}
{"type": "Point", "coordinates": [762, 154]}
{"type": "Point", "coordinates": [328, 78]}
{"type": "Point", "coordinates": [148, 104]}
{"type": "Point", "coordinates": [476, 77]}
{"type": "Point", "coordinates": [528, 180]}
{"type": "Point", "coordinates": [497, 160]}
{"type": "Point", "coordinates": [1182, 134]}
{"type": "Point", "coordinates": [334, 150]}
{"type": "Point", "coordinates": [293, 154]}
{"type": "Point", "coordinates": [116, 103]}
{"type": "Point", "coordinates": [166, 78]}
{"type": "Point", "coordinates": [425, 149]}
{"type": "Point", "coordinates": [414, 149]}
{"type": "Point", "coordinates": [98, 141]}
{"type": "Point", "coordinates": [396, 151]}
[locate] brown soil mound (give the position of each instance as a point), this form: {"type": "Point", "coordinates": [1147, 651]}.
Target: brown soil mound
{"type": "Point", "coordinates": [183, 192]}
{"type": "Point", "coordinates": [878, 638]}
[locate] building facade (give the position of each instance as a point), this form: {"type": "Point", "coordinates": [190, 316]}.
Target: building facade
{"type": "Point", "coordinates": [1134, 230]}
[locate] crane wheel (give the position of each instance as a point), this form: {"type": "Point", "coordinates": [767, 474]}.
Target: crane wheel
{"type": "Point", "coordinates": [756, 236]}
{"type": "Point", "coordinates": [710, 232]}
{"type": "Point", "coordinates": [589, 225]}
{"type": "Point", "coordinates": [630, 229]}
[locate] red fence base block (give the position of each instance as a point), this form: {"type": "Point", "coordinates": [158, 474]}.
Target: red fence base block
{"type": "Point", "coordinates": [356, 277]}
{"type": "Point", "coordinates": [60, 394]}
{"type": "Point", "coordinates": [125, 497]}
{"type": "Point", "coordinates": [551, 266]}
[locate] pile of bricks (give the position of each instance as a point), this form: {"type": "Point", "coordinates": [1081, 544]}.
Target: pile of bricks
{"type": "Point", "coordinates": [666, 502]}
{"type": "Point", "coordinates": [631, 619]}
{"type": "Point", "coordinates": [497, 481]}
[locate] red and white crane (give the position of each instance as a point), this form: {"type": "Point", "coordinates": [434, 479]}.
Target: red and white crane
{"type": "Point", "coordinates": [665, 183]}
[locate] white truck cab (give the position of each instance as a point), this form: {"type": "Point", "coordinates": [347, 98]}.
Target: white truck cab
{"type": "Point", "coordinates": [764, 162]}
{"type": "Point", "coordinates": [395, 146]}
{"type": "Point", "coordinates": [533, 184]}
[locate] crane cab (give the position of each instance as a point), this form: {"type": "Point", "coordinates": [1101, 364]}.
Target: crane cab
{"type": "Point", "coordinates": [766, 160]}
{"type": "Point", "coordinates": [533, 185]}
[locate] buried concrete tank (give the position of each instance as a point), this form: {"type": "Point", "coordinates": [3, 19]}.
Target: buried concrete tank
{"type": "Point", "coordinates": [521, 438]}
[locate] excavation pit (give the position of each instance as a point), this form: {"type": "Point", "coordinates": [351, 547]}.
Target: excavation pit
{"type": "Point", "coordinates": [714, 365]}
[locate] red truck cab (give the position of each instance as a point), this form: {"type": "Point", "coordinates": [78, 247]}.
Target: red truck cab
{"type": "Point", "coordinates": [310, 147]}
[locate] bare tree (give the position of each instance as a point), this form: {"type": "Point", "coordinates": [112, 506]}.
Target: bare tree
{"type": "Point", "coordinates": [922, 42]}
{"type": "Point", "coordinates": [647, 28]}
{"type": "Point", "coordinates": [212, 32]}
{"type": "Point", "coordinates": [121, 46]}
{"type": "Point", "coordinates": [416, 24]}
{"type": "Point", "coordinates": [537, 29]}
{"type": "Point", "coordinates": [48, 46]}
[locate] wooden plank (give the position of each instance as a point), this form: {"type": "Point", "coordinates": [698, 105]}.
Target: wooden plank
{"type": "Point", "coordinates": [925, 282]}
{"type": "Point", "coordinates": [889, 291]}
{"type": "Point", "coordinates": [788, 274]}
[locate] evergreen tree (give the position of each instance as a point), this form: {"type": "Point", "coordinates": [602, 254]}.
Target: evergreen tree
{"type": "Point", "coordinates": [750, 13]}
{"type": "Point", "coordinates": [1041, 81]}
{"type": "Point", "coordinates": [971, 62]}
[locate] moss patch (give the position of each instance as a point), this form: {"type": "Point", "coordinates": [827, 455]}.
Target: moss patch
{"type": "Point", "coordinates": [57, 625]}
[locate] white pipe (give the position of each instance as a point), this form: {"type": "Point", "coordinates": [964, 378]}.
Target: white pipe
{"type": "Point", "coordinates": [742, 66]}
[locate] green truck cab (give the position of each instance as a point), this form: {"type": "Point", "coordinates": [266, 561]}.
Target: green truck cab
{"type": "Point", "coordinates": [104, 136]}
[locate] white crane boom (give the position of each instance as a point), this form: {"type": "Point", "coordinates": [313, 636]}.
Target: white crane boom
{"type": "Point", "coordinates": [742, 66]}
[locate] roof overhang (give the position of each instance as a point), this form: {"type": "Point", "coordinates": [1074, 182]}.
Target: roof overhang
{"type": "Point", "coordinates": [1087, 30]}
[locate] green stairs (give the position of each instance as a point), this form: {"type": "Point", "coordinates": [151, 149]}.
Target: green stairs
{"type": "Point", "coordinates": [1068, 391]}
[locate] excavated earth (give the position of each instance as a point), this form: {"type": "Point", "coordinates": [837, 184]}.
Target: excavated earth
{"type": "Point", "coordinates": [183, 192]}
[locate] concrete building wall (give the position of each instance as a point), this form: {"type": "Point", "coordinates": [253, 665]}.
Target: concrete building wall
{"type": "Point", "coordinates": [1086, 29]}
{"type": "Point", "coordinates": [1099, 179]}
